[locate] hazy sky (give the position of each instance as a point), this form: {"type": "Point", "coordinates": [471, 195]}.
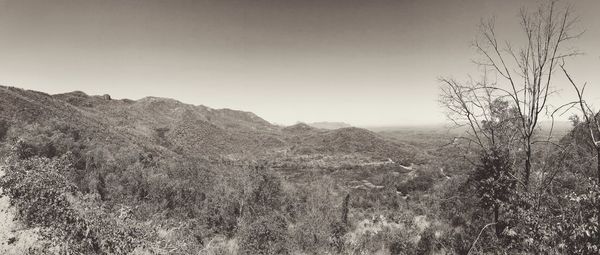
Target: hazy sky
{"type": "Point", "coordinates": [368, 62]}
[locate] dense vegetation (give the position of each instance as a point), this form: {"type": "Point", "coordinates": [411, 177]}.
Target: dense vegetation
{"type": "Point", "coordinates": [115, 200]}
{"type": "Point", "coordinates": [96, 182]}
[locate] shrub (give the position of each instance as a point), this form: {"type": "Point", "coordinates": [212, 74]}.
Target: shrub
{"type": "Point", "coordinates": [581, 233]}
{"type": "Point", "coordinates": [265, 235]}
{"type": "Point", "coordinates": [3, 129]}
{"type": "Point", "coordinates": [427, 242]}
{"type": "Point", "coordinates": [316, 217]}
{"type": "Point", "coordinates": [421, 182]}
{"type": "Point", "coordinates": [400, 243]}
{"type": "Point", "coordinates": [492, 179]}
{"type": "Point", "coordinates": [44, 198]}
{"type": "Point", "coordinates": [338, 230]}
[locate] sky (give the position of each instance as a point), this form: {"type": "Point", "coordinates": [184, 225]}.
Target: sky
{"type": "Point", "coordinates": [367, 63]}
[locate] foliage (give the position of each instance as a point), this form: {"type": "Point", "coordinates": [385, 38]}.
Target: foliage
{"type": "Point", "coordinates": [44, 198]}
{"type": "Point", "coordinates": [3, 129]}
{"type": "Point", "coordinates": [422, 182]}
{"type": "Point", "coordinates": [581, 231]}
{"type": "Point", "coordinates": [494, 182]}
{"type": "Point", "coordinates": [316, 219]}
{"type": "Point", "coordinates": [267, 234]}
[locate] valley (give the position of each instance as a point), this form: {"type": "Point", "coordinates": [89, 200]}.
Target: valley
{"type": "Point", "coordinates": [120, 150]}
{"type": "Point", "coordinates": [293, 127]}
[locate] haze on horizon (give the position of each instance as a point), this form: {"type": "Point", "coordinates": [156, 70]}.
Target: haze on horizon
{"type": "Point", "coordinates": [367, 63]}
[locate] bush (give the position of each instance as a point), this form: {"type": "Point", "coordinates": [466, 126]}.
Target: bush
{"type": "Point", "coordinates": [44, 198]}
{"type": "Point", "coordinates": [421, 182]}
{"type": "Point", "coordinates": [581, 233]}
{"type": "Point", "coordinates": [265, 235]}
{"type": "Point", "coordinates": [316, 218]}
{"type": "Point", "coordinates": [400, 243]}
{"type": "Point", "coordinates": [3, 129]}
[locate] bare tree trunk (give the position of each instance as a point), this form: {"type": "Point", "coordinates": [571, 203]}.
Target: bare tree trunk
{"type": "Point", "coordinates": [496, 218]}
{"type": "Point", "coordinates": [345, 209]}
{"type": "Point", "coordinates": [598, 164]}
{"type": "Point", "coordinates": [598, 172]}
{"type": "Point", "coordinates": [527, 164]}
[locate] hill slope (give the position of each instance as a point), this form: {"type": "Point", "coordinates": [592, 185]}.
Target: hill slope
{"type": "Point", "coordinates": [167, 127]}
{"type": "Point", "coordinates": [352, 141]}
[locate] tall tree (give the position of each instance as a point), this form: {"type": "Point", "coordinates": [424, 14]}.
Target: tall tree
{"type": "Point", "coordinates": [524, 74]}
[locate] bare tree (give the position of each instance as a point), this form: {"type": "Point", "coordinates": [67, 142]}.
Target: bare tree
{"type": "Point", "coordinates": [490, 123]}
{"type": "Point", "coordinates": [590, 117]}
{"type": "Point", "coordinates": [525, 74]}
{"type": "Point", "coordinates": [477, 106]}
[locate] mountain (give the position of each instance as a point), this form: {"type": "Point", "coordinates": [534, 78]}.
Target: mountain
{"type": "Point", "coordinates": [168, 127]}
{"type": "Point", "coordinates": [152, 124]}
{"type": "Point", "coordinates": [299, 128]}
{"type": "Point", "coordinates": [349, 141]}
{"type": "Point", "coordinates": [329, 125]}
{"type": "Point", "coordinates": [21, 107]}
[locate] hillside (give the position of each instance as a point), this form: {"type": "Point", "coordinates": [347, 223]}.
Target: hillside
{"type": "Point", "coordinates": [150, 123]}
{"type": "Point", "coordinates": [350, 141]}
{"type": "Point", "coordinates": [21, 107]}
{"type": "Point", "coordinates": [166, 126]}
{"type": "Point", "coordinates": [300, 128]}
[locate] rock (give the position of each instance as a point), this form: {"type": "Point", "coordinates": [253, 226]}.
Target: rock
{"type": "Point", "coordinates": [106, 97]}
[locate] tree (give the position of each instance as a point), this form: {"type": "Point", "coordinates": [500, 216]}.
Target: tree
{"type": "Point", "coordinates": [501, 115]}
{"type": "Point", "coordinates": [494, 183]}
{"type": "Point", "coordinates": [591, 121]}
{"type": "Point", "coordinates": [546, 31]}
{"type": "Point", "coordinates": [490, 120]}
{"type": "Point", "coordinates": [591, 124]}
{"type": "Point", "coordinates": [492, 128]}
{"type": "Point", "coordinates": [525, 76]}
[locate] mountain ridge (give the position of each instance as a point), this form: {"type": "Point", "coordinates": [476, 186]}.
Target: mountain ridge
{"type": "Point", "coordinates": [164, 124]}
{"type": "Point", "coordinates": [329, 125]}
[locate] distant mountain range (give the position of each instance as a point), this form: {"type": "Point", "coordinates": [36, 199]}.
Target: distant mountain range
{"type": "Point", "coordinates": [169, 127]}
{"type": "Point", "coordinates": [329, 125]}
